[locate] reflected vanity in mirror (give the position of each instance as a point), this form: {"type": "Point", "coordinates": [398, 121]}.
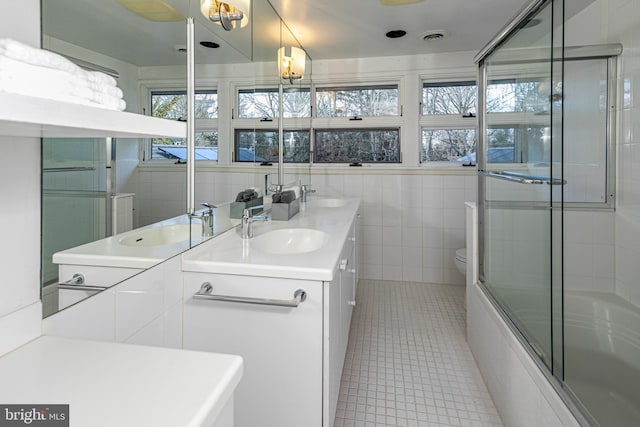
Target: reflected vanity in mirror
{"type": "Point", "coordinates": [112, 208]}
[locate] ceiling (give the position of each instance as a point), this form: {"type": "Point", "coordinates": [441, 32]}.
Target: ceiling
{"type": "Point", "coordinates": [356, 28]}
{"type": "Point", "coordinates": [327, 29]}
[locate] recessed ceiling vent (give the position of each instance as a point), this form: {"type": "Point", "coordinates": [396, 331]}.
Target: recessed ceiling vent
{"type": "Point", "coordinates": [430, 36]}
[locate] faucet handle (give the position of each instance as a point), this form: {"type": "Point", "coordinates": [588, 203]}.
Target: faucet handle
{"type": "Point", "coordinates": [208, 205]}
{"type": "Point", "coordinates": [246, 212]}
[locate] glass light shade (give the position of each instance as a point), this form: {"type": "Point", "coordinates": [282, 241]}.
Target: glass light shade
{"type": "Point", "coordinates": [210, 8]}
{"type": "Point", "coordinates": [291, 67]}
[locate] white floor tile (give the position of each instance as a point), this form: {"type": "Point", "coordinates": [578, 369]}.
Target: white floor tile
{"type": "Point", "coordinates": [408, 362]}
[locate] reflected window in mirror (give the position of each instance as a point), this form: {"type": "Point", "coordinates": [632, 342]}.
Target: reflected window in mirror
{"type": "Point", "coordinates": [261, 145]}
{"type": "Point", "coordinates": [172, 104]}
{"type": "Point", "coordinates": [262, 103]}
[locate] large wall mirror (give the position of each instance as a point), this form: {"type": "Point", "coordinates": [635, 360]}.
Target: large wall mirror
{"type": "Point", "coordinates": [102, 196]}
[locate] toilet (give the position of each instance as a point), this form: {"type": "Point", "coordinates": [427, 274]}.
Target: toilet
{"type": "Point", "coordinates": [461, 261]}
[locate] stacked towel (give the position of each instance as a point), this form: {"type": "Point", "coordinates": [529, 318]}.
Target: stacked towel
{"type": "Point", "coordinates": [40, 73]}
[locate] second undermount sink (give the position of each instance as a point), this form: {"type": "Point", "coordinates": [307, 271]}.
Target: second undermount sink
{"type": "Point", "coordinates": [162, 235]}
{"type": "Point", "coordinates": [290, 241]}
{"type": "Point", "coordinates": [327, 203]}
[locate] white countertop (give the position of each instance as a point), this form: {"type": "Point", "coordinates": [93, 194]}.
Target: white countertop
{"type": "Point", "coordinates": [230, 254]}
{"type": "Point", "coordinates": [108, 252]}
{"type": "Point", "coordinates": [111, 384]}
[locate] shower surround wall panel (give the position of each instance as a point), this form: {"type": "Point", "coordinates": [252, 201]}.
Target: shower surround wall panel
{"type": "Point", "coordinates": [622, 21]}
{"type": "Point", "coordinates": [412, 221]}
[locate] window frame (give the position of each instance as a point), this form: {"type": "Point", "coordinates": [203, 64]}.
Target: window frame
{"type": "Point", "coordinates": [364, 122]}
{"type": "Point", "coordinates": [254, 123]}
{"type": "Point", "coordinates": [201, 125]}
{"type": "Point", "coordinates": [434, 122]}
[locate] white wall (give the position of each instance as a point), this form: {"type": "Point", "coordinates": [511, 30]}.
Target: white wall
{"type": "Point", "coordinates": [618, 21]}
{"type": "Point", "coordinates": [20, 308]}
{"type": "Point", "coordinates": [413, 215]}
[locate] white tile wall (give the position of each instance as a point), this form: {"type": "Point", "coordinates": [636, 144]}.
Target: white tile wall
{"type": "Point", "coordinates": [522, 395]}
{"type": "Point", "coordinates": [589, 251]}
{"type": "Point", "coordinates": [412, 224]}
{"type": "Point", "coordinates": [621, 19]}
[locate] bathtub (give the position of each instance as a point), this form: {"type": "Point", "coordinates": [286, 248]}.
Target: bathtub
{"type": "Point", "coordinates": [601, 348]}
{"type": "Point", "coordinates": [602, 356]}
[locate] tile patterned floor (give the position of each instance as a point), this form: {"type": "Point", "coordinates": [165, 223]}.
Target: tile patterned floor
{"type": "Point", "coordinates": [408, 362]}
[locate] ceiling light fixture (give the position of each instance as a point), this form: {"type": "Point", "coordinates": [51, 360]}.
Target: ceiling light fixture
{"type": "Point", "coordinates": [229, 14]}
{"type": "Point", "coordinates": [394, 34]}
{"type": "Point", "coordinates": [291, 67]}
{"type": "Point", "coordinates": [153, 10]}
{"type": "Point", "coordinates": [210, 45]}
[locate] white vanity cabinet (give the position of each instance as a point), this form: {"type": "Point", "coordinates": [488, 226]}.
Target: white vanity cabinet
{"type": "Point", "coordinates": [281, 346]}
{"type": "Point", "coordinates": [340, 294]}
{"type": "Point", "coordinates": [293, 356]}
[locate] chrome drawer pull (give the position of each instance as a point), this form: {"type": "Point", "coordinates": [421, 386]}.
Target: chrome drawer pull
{"type": "Point", "coordinates": [205, 293]}
{"type": "Point", "coordinates": [76, 283]}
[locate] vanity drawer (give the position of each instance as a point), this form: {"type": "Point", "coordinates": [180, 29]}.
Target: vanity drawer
{"type": "Point", "coordinates": [281, 346]}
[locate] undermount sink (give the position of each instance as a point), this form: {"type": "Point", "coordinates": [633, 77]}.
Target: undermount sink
{"type": "Point", "coordinates": [328, 203]}
{"type": "Point", "coordinates": [162, 235]}
{"type": "Point", "coordinates": [290, 241]}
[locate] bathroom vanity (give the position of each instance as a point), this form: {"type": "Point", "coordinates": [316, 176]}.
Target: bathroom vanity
{"type": "Point", "coordinates": [283, 301]}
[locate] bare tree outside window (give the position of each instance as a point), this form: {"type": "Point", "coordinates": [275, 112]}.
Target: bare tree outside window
{"type": "Point", "coordinates": [510, 96]}
{"type": "Point", "coordinates": [447, 144]}
{"type": "Point", "coordinates": [172, 105]}
{"type": "Point", "coordinates": [369, 101]}
{"type": "Point", "coordinates": [357, 146]}
{"type": "Point", "coordinates": [262, 145]}
{"type": "Point", "coordinates": [449, 98]}
{"type": "Point", "coordinates": [263, 103]}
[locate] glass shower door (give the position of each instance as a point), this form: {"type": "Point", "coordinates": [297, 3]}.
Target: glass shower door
{"type": "Point", "coordinates": [520, 180]}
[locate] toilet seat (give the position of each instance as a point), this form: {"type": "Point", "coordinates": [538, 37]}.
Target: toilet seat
{"type": "Point", "coordinates": [461, 255]}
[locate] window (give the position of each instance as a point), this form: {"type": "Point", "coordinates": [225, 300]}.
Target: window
{"type": "Point", "coordinates": [360, 101]}
{"type": "Point", "coordinates": [173, 105]}
{"type": "Point", "coordinates": [352, 124]}
{"type": "Point", "coordinates": [448, 122]}
{"type": "Point", "coordinates": [457, 98]}
{"type": "Point", "coordinates": [516, 96]}
{"type": "Point", "coordinates": [256, 140]}
{"type": "Point", "coordinates": [263, 103]}
{"type": "Point", "coordinates": [357, 145]}
{"type": "Point", "coordinates": [448, 145]}
{"type": "Point", "coordinates": [357, 124]}
{"type": "Point", "coordinates": [261, 145]}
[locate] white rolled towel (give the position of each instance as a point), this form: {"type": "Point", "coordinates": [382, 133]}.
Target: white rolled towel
{"type": "Point", "coordinates": [45, 58]}
{"type": "Point", "coordinates": [25, 79]}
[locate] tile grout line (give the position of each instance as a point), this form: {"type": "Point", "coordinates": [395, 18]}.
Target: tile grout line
{"type": "Point", "coordinates": [408, 363]}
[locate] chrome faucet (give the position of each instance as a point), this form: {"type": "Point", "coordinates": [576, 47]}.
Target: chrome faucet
{"type": "Point", "coordinates": [248, 219]}
{"type": "Point", "coordinates": [304, 189]}
{"type": "Point", "coordinates": [206, 218]}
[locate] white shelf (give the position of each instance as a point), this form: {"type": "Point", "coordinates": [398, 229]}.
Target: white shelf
{"type": "Point", "coordinates": [27, 116]}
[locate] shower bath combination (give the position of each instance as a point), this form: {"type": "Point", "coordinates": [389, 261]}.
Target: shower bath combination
{"type": "Point", "coordinates": [555, 106]}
